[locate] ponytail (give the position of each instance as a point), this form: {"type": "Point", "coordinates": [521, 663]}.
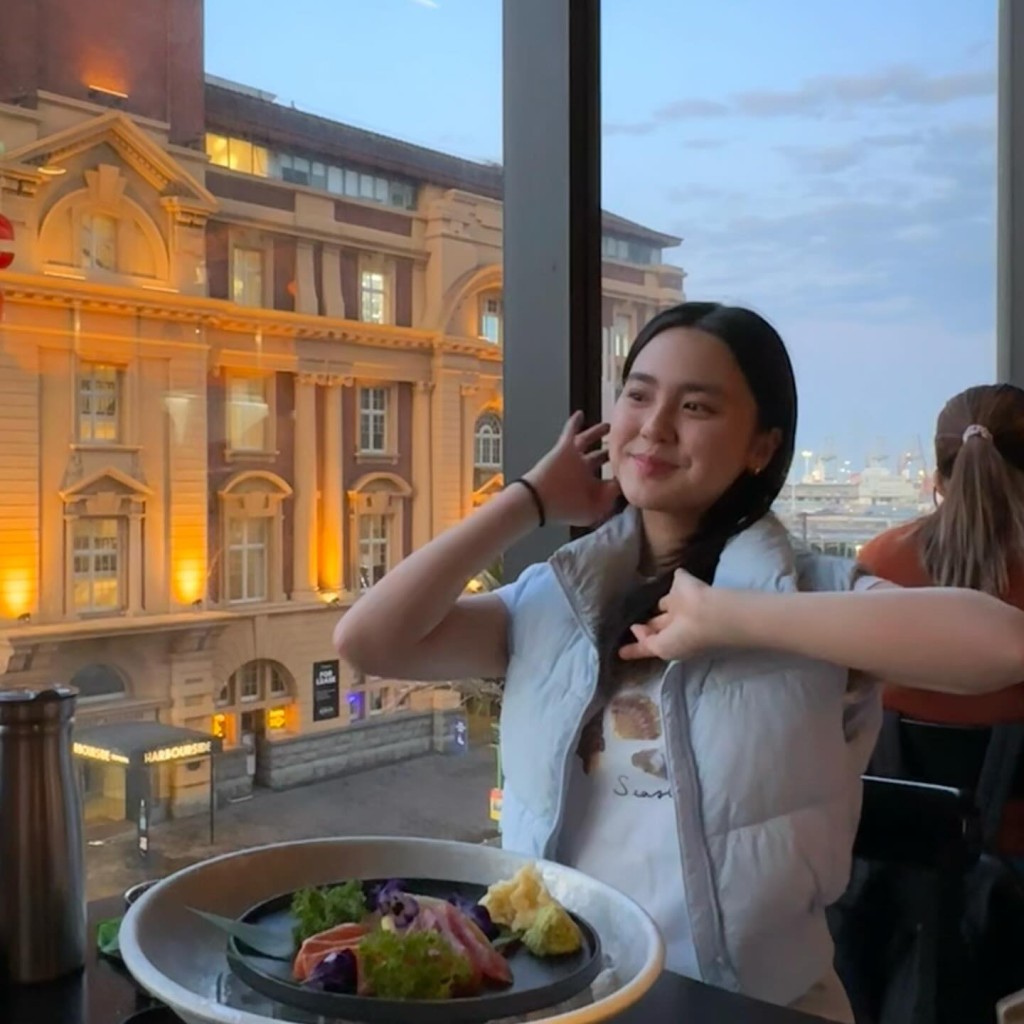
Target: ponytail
{"type": "Point", "coordinates": [976, 534]}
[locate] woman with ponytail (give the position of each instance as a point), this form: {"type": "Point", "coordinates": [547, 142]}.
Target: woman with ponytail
{"type": "Point", "coordinates": [973, 539]}
{"type": "Point", "coordinates": [689, 701]}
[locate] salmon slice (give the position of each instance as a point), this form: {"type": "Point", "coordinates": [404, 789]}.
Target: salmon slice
{"type": "Point", "coordinates": [316, 947]}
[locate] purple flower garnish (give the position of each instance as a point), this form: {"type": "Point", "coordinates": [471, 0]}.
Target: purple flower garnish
{"type": "Point", "coordinates": [337, 972]}
{"type": "Point", "coordinates": [403, 908]}
{"type": "Point", "coordinates": [392, 900]}
{"type": "Point", "coordinates": [382, 894]}
{"type": "Point", "coordinates": [477, 914]}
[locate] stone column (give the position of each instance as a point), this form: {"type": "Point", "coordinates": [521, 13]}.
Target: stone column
{"type": "Point", "coordinates": [422, 475]}
{"type": "Point", "coordinates": [334, 302]}
{"type": "Point", "coordinates": [469, 418]}
{"type": "Point", "coordinates": [332, 538]}
{"type": "Point", "coordinates": [305, 280]}
{"type": "Point", "coordinates": [134, 578]}
{"type": "Point", "coordinates": [304, 548]}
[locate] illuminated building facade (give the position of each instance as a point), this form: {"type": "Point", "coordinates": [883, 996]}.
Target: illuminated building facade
{"type": "Point", "coordinates": [249, 358]}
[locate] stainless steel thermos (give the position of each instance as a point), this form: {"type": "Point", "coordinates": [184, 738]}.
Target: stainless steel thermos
{"type": "Point", "coordinates": [42, 883]}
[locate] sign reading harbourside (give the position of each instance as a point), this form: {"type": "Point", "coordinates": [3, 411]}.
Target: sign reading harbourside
{"type": "Point", "coordinates": [178, 752]}
{"type": "Point", "coordinates": [326, 690]}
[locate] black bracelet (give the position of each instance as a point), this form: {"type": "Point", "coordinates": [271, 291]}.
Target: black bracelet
{"type": "Point", "coordinates": [536, 497]}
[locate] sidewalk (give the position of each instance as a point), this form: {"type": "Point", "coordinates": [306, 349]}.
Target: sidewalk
{"type": "Point", "coordinates": [440, 797]}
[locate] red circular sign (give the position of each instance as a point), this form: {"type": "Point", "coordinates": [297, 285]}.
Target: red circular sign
{"type": "Point", "coordinates": [6, 242]}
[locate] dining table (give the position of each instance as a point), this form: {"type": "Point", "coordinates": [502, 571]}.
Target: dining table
{"type": "Point", "coordinates": [104, 993]}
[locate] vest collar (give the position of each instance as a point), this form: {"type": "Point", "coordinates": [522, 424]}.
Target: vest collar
{"type": "Point", "coordinates": [597, 569]}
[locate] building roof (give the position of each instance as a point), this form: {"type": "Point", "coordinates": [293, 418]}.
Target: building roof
{"type": "Point", "coordinates": [251, 114]}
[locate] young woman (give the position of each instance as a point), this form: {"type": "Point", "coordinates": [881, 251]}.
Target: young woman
{"type": "Point", "coordinates": [974, 538]}
{"type": "Point", "coordinates": [699, 747]}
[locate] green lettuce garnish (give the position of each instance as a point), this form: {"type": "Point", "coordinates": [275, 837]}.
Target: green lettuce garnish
{"type": "Point", "coordinates": [315, 910]}
{"type": "Point", "coordinates": [411, 965]}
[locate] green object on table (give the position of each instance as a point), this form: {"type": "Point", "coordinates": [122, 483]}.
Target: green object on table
{"type": "Point", "coordinates": [108, 938]}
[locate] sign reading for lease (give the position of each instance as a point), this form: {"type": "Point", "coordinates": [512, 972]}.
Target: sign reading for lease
{"type": "Point", "coordinates": [326, 690]}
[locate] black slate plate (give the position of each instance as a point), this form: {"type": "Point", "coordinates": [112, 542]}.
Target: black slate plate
{"type": "Point", "coordinates": [536, 983]}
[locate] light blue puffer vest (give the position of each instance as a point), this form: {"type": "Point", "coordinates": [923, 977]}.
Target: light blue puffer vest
{"type": "Point", "coordinates": [765, 753]}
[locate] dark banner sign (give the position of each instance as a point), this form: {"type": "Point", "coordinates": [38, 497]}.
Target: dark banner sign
{"type": "Point", "coordinates": [326, 690]}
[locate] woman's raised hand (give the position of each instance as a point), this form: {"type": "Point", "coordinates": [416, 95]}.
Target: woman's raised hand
{"type": "Point", "coordinates": [567, 477]}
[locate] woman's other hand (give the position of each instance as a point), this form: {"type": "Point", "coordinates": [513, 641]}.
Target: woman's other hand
{"type": "Point", "coordinates": [684, 626]}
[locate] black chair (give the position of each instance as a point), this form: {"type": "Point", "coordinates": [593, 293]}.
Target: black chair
{"type": "Point", "coordinates": [985, 761]}
{"type": "Point", "coordinates": [896, 928]}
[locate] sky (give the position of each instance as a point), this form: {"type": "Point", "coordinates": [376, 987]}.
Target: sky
{"type": "Point", "coordinates": [831, 165]}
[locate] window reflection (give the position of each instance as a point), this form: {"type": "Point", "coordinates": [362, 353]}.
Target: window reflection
{"type": "Point", "coordinates": [96, 568]}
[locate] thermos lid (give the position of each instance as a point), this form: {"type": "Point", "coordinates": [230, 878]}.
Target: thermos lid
{"type": "Point", "coordinates": [33, 704]}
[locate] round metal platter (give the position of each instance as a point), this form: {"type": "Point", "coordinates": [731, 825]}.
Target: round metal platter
{"type": "Point", "coordinates": [182, 960]}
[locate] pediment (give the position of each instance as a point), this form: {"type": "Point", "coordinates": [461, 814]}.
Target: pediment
{"type": "Point", "coordinates": [115, 131]}
{"type": "Point", "coordinates": [108, 481]}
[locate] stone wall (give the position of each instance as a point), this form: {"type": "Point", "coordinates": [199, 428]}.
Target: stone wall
{"type": "Point", "coordinates": [233, 781]}
{"type": "Point", "coordinates": [385, 740]}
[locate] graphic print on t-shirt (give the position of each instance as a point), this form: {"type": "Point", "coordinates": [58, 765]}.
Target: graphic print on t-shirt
{"type": "Point", "coordinates": [635, 718]}
{"type": "Point", "coordinates": [621, 824]}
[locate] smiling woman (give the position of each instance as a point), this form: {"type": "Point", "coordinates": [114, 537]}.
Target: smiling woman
{"type": "Point", "coordinates": [700, 442]}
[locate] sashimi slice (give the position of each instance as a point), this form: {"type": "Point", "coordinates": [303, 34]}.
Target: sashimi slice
{"type": "Point", "coordinates": [316, 947]}
{"type": "Point", "coordinates": [432, 919]}
{"type": "Point", "coordinates": [490, 962]}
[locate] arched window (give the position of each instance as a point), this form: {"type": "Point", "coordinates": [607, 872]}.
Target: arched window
{"type": "Point", "coordinates": [252, 539]}
{"type": "Point", "coordinates": [486, 449]}
{"type": "Point", "coordinates": [253, 700]}
{"type": "Point", "coordinates": [99, 682]}
{"type": "Point", "coordinates": [488, 443]}
{"type": "Point", "coordinates": [377, 504]}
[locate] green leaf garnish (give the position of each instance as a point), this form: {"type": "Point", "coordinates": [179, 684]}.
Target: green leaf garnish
{"type": "Point", "coordinates": [506, 938]}
{"type": "Point", "coordinates": [108, 938]}
{"type": "Point", "coordinates": [269, 942]}
{"type": "Point", "coordinates": [317, 909]}
{"type": "Point", "coordinates": [412, 965]}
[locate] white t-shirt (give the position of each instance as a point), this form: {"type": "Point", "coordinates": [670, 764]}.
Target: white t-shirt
{"type": "Point", "coordinates": [621, 825]}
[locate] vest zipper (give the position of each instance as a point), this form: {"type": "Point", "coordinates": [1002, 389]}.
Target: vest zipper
{"type": "Point", "coordinates": [548, 850]}
{"type": "Point", "coordinates": [716, 969]}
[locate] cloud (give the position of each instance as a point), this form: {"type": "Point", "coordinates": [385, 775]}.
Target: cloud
{"type": "Point", "coordinates": [902, 86]}
{"type": "Point", "coordinates": [924, 230]}
{"type": "Point", "coordinates": [823, 159]}
{"type": "Point", "coordinates": [705, 143]}
{"type": "Point", "coordinates": [432, 5]}
{"type": "Point", "coordinates": [898, 86]}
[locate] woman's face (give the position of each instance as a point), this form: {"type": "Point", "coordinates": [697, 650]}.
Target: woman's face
{"type": "Point", "coordinates": [685, 426]}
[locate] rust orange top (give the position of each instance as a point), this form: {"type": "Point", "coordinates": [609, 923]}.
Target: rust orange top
{"type": "Point", "coordinates": [895, 556]}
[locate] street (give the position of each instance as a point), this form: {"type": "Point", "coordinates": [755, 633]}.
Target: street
{"type": "Point", "coordinates": [436, 796]}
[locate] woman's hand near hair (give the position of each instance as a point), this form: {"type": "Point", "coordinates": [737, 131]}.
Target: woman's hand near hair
{"type": "Point", "coordinates": [945, 639]}
{"type": "Point", "coordinates": [418, 623]}
{"type": "Point", "coordinates": [567, 480]}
